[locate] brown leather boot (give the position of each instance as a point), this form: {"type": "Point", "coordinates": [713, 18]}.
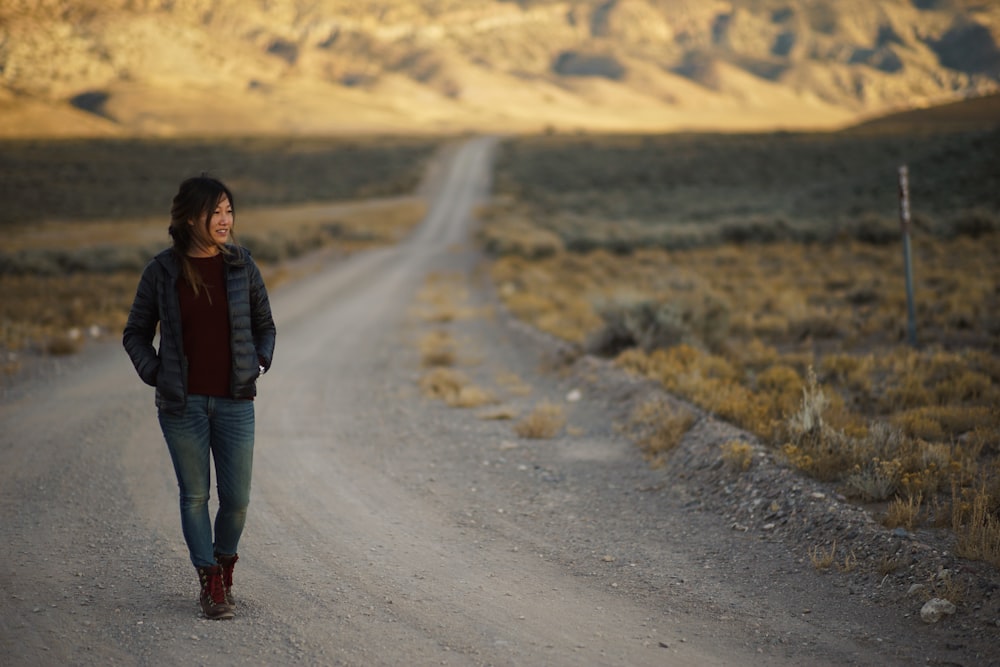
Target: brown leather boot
{"type": "Point", "coordinates": [213, 593]}
{"type": "Point", "coordinates": [228, 563]}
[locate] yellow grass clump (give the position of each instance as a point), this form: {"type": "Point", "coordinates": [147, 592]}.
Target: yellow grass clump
{"type": "Point", "coordinates": [737, 454]}
{"type": "Point", "coordinates": [658, 427]}
{"type": "Point", "coordinates": [975, 522]}
{"type": "Point", "coordinates": [454, 389]}
{"type": "Point", "coordinates": [543, 422]}
{"type": "Point", "coordinates": [437, 348]}
{"type": "Point", "coordinates": [903, 512]}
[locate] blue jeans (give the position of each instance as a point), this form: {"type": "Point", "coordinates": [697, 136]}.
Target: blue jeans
{"type": "Point", "coordinates": [224, 429]}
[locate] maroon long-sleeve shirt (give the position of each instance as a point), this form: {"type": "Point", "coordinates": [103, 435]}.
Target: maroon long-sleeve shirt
{"type": "Point", "coordinates": [205, 323]}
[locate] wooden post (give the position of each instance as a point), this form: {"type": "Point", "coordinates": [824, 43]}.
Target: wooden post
{"type": "Point", "coordinates": [904, 223]}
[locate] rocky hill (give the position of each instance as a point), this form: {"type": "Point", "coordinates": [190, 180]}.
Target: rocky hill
{"type": "Point", "coordinates": [167, 67]}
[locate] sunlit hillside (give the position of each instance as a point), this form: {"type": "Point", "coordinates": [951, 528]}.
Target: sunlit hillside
{"type": "Point", "coordinates": [167, 67]}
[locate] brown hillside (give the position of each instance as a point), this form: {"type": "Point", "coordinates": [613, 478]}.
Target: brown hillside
{"type": "Point", "coordinates": [92, 67]}
{"type": "Point", "coordinates": [972, 114]}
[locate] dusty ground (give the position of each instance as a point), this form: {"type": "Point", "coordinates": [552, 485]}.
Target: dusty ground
{"type": "Point", "coordinates": [387, 528]}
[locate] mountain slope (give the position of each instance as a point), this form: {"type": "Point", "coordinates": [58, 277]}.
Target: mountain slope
{"type": "Point", "coordinates": [201, 66]}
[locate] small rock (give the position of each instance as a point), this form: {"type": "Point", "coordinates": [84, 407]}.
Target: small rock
{"type": "Point", "coordinates": [900, 532]}
{"type": "Point", "coordinates": [914, 589]}
{"type": "Point", "coordinates": [934, 609]}
{"type": "Point", "coordinates": [608, 559]}
{"type": "Point", "coordinates": [574, 396]}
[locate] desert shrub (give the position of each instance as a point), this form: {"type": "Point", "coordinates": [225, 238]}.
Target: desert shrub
{"type": "Point", "coordinates": [737, 454]}
{"type": "Point", "coordinates": [519, 238]}
{"type": "Point", "coordinates": [36, 310]}
{"type": "Point", "coordinates": [443, 299]}
{"type": "Point", "coordinates": [700, 319]}
{"type": "Point", "coordinates": [543, 422]}
{"type": "Point", "coordinates": [724, 181]}
{"type": "Point", "coordinates": [812, 443]}
{"type": "Point", "coordinates": [823, 558]}
{"type": "Point", "coordinates": [453, 388]}
{"type": "Point", "coordinates": [874, 229]}
{"type": "Point", "coordinates": [924, 482]}
{"type": "Point", "coordinates": [437, 348]}
{"type": "Point", "coordinates": [876, 480]}
{"type": "Point", "coordinates": [977, 526]}
{"type": "Point", "coordinates": [754, 230]}
{"type": "Point", "coordinates": [903, 512]}
{"type": "Point", "coordinates": [64, 343]}
{"type": "Point", "coordinates": [974, 223]}
{"type": "Point", "coordinates": [81, 179]}
{"type": "Point", "coordinates": [812, 275]}
{"type": "Point", "coordinates": [783, 385]}
{"type": "Point", "coordinates": [442, 383]}
{"type": "Point", "coordinates": [658, 427]}
{"type": "Point", "coordinates": [471, 396]}
{"type": "Point", "coordinates": [56, 261]}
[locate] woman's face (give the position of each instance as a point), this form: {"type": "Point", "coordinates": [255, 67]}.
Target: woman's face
{"type": "Point", "coordinates": [215, 231]}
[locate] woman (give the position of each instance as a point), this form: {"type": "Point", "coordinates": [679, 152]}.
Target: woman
{"type": "Point", "coordinates": [216, 338]}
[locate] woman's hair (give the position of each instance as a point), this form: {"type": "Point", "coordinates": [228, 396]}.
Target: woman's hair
{"type": "Point", "coordinates": [196, 200]}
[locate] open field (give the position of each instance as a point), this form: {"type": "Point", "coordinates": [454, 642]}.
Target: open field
{"type": "Point", "coordinates": [115, 179]}
{"type": "Point", "coordinates": [674, 191]}
{"type": "Point", "coordinates": [761, 278]}
{"type": "Point", "coordinates": [82, 217]}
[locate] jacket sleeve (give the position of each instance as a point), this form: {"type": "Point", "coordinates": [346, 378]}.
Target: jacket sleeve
{"type": "Point", "coordinates": [264, 331]}
{"type": "Point", "coordinates": [141, 328]}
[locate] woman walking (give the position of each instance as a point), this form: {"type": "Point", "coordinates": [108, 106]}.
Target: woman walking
{"type": "Point", "coordinates": [216, 338]}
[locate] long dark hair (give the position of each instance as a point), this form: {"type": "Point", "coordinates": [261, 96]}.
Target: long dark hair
{"type": "Point", "coordinates": [196, 200]}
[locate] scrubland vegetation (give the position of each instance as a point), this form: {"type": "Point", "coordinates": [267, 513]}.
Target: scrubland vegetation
{"type": "Point", "coordinates": [442, 302]}
{"type": "Point", "coordinates": [760, 277]}
{"type": "Point", "coordinates": [82, 217]}
{"type": "Point", "coordinates": [118, 179]}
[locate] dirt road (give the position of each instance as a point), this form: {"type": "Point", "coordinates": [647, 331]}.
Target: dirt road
{"type": "Point", "coordinates": [388, 529]}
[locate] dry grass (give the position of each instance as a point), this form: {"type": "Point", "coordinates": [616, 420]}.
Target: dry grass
{"type": "Point", "coordinates": [977, 526]}
{"type": "Point", "coordinates": [543, 422]}
{"type": "Point", "coordinates": [443, 299]}
{"type": "Point", "coordinates": [65, 276]}
{"type": "Point", "coordinates": [39, 311]}
{"type": "Point", "coordinates": [888, 564]}
{"type": "Point", "coordinates": [719, 290]}
{"type": "Point", "coordinates": [944, 585]}
{"type": "Point", "coordinates": [849, 563]}
{"type": "Point", "coordinates": [454, 388]}
{"type": "Point", "coordinates": [440, 302]}
{"type": "Point", "coordinates": [70, 258]}
{"type": "Point", "coordinates": [823, 558]}
{"type": "Point", "coordinates": [498, 414]}
{"type": "Point", "coordinates": [884, 420]}
{"type": "Point", "coordinates": [738, 455]}
{"type": "Point", "coordinates": [627, 192]}
{"type": "Point", "coordinates": [513, 384]}
{"type": "Point", "coordinates": [658, 427]}
{"type": "Point", "coordinates": [904, 512]}
{"type": "Point", "coordinates": [102, 180]}
{"type": "Point", "coordinates": [437, 348]}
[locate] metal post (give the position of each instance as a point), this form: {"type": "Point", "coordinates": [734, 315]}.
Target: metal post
{"type": "Point", "coordinates": [904, 222]}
